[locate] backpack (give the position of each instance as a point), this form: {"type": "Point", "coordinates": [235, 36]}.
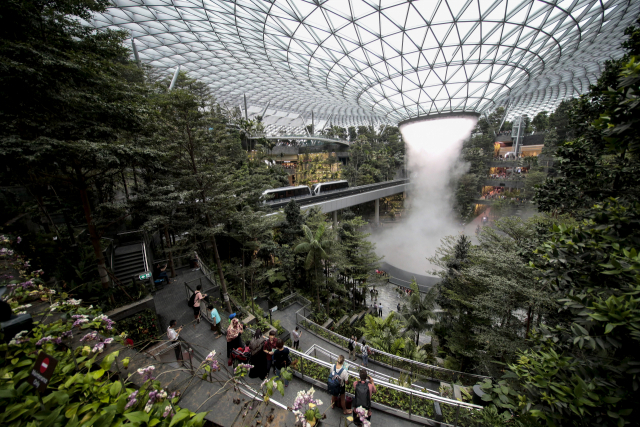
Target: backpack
{"type": "Point", "coordinates": [333, 382]}
{"type": "Point", "coordinates": [362, 395]}
{"type": "Point", "coordinates": [192, 300]}
{"type": "Point", "coordinates": [350, 345]}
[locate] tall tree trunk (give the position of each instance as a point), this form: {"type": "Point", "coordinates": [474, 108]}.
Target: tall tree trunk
{"type": "Point", "coordinates": [244, 291]}
{"type": "Point", "coordinates": [93, 235]}
{"type": "Point", "coordinates": [223, 285]}
{"type": "Point", "coordinates": [528, 322]}
{"type": "Point", "coordinates": [253, 310]}
{"type": "Point", "coordinates": [315, 268]}
{"type": "Point", "coordinates": [124, 184]}
{"type": "Point", "coordinates": [166, 236]}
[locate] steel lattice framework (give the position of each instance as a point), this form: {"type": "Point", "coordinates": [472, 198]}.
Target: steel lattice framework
{"type": "Point", "coordinates": [363, 61]}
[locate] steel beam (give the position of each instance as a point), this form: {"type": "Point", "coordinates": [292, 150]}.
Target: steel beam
{"type": "Point", "coordinates": [175, 78]}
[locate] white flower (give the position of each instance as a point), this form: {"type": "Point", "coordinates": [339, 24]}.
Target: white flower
{"type": "Point", "coordinates": [147, 407]}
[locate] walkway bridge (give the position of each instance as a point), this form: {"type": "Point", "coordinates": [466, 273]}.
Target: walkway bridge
{"type": "Point", "coordinates": [303, 137]}
{"type": "Point", "coordinates": [342, 199]}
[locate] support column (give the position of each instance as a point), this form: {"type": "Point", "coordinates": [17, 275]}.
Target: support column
{"type": "Point", "coordinates": [335, 219]}
{"type": "Point", "coordinates": [377, 220]}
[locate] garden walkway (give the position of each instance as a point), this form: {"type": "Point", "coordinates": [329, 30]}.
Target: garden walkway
{"type": "Point", "coordinates": [171, 303]}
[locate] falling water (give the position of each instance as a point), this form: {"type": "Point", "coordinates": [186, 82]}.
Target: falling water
{"type": "Point", "coordinates": [433, 153]}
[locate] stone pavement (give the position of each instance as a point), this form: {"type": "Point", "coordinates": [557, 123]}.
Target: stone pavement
{"type": "Point", "coordinates": [171, 303]}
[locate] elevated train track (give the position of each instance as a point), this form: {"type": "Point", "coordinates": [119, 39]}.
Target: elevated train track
{"type": "Point", "coordinates": [341, 199]}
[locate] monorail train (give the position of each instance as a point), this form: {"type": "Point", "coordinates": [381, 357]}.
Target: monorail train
{"type": "Point", "coordinates": [324, 187]}
{"type": "Point", "coordinates": [286, 192]}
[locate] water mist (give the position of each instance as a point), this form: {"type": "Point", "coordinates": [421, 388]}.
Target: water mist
{"type": "Point", "coordinates": [433, 152]}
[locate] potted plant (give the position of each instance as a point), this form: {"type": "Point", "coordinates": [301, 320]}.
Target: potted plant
{"type": "Point", "coordinates": [305, 408]}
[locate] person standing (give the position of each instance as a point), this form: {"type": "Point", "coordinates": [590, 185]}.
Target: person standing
{"type": "Point", "coordinates": [196, 303]}
{"type": "Point", "coordinates": [352, 347]}
{"type": "Point", "coordinates": [363, 390]}
{"type": "Point", "coordinates": [365, 353]}
{"type": "Point", "coordinates": [258, 357]}
{"type": "Point", "coordinates": [340, 371]}
{"type": "Point", "coordinates": [234, 335]}
{"type": "Point", "coordinates": [380, 309]}
{"type": "Point", "coordinates": [172, 335]}
{"type": "Point", "coordinates": [268, 348]}
{"type": "Point", "coordinates": [215, 318]}
{"type": "Point", "coordinates": [398, 308]}
{"type": "Point", "coordinates": [375, 308]}
{"type": "Point", "coordinates": [281, 359]}
{"type": "Point", "coordinates": [296, 338]}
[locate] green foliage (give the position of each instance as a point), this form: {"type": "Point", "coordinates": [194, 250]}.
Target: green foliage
{"type": "Point", "coordinates": [141, 327]}
{"type": "Point", "coordinates": [87, 393]}
{"type": "Point", "coordinates": [316, 247]}
{"type": "Point", "coordinates": [418, 310]}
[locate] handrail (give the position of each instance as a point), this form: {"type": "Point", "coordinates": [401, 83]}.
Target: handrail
{"type": "Point", "coordinates": [415, 366]}
{"type": "Point", "coordinates": [397, 387]}
{"type": "Point", "coordinates": [439, 402]}
{"type": "Point", "coordinates": [315, 348]}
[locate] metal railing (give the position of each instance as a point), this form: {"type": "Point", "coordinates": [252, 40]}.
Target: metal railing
{"type": "Point", "coordinates": [433, 372]}
{"type": "Point", "coordinates": [177, 261]}
{"type": "Point", "coordinates": [292, 299]}
{"type": "Point", "coordinates": [315, 349]}
{"type": "Point", "coordinates": [447, 412]}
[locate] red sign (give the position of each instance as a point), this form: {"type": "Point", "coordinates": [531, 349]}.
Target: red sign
{"type": "Point", "coordinates": [42, 371]}
{"type": "Point", "coordinates": [44, 365]}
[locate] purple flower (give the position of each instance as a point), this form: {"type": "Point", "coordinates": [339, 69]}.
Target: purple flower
{"type": "Point", "coordinates": [132, 400]}
{"type": "Point", "coordinates": [90, 336]}
{"type": "Point", "coordinates": [147, 373]}
{"type": "Point", "coordinates": [19, 239]}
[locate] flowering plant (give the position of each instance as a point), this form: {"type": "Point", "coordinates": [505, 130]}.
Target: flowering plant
{"type": "Point", "coordinates": [242, 370]}
{"type": "Point", "coordinates": [305, 408]}
{"type": "Point", "coordinates": [361, 413]}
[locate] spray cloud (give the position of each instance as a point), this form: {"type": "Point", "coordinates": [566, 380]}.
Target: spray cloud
{"type": "Point", "coordinates": [433, 150]}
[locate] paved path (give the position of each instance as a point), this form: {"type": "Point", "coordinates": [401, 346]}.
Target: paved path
{"type": "Point", "coordinates": [171, 303]}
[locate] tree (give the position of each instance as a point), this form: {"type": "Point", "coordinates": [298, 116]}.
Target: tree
{"type": "Point", "coordinates": [71, 94]}
{"type": "Point", "coordinates": [540, 122]}
{"type": "Point", "coordinates": [419, 310]}
{"type": "Point", "coordinates": [582, 367]}
{"type": "Point", "coordinates": [384, 333]}
{"type": "Point", "coordinates": [360, 257]}
{"type": "Point", "coordinates": [551, 141]}
{"type": "Point", "coordinates": [207, 161]}
{"type": "Point", "coordinates": [254, 232]}
{"type": "Point", "coordinates": [535, 178]}
{"type": "Point", "coordinates": [316, 246]}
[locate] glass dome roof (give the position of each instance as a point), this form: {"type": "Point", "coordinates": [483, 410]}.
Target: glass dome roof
{"type": "Point", "coordinates": [364, 61]}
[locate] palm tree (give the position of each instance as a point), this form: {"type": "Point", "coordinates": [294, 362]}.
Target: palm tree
{"type": "Point", "coordinates": [419, 310]}
{"type": "Point", "coordinates": [316, 247]}
{"type": "Point", "coordinates": [384, 333]}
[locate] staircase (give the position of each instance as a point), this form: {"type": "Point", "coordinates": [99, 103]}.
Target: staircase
{"type": "Point", "coordinates": [128, 261]}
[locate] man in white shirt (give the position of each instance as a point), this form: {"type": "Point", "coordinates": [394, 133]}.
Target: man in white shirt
{"type": "Point", "coordinates": [172, 335]}
{"type": "Point", "coordinates": [295, 335]}
{"type": "Point", "coordinates": [380, 309]}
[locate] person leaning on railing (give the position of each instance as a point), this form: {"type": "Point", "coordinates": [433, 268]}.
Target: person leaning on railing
{"type": "Point", "coordinates": [173, 335]}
